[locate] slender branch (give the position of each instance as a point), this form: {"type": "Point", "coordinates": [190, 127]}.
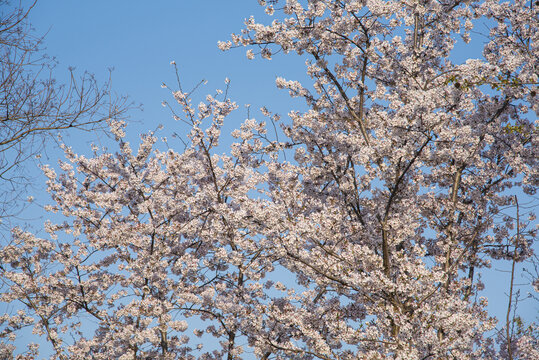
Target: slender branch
{"type": "Point", "coordinates": [346, 99]}
{"type": "Point", "coordinates": [507, 328]}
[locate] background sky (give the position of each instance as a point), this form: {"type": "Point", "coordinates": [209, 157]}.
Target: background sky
{"type": "Point", "coordinates": [139, 39]}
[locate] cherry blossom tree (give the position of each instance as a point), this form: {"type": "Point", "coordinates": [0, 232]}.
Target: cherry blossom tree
{"type": "Point", "coordinates": [405, 182]}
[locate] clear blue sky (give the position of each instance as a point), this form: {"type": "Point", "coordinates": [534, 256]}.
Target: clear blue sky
{"type": "Point", "coordinates": [140, 38]}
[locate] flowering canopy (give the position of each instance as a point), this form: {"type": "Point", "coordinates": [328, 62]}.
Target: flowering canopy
{"type": "Point", "coordinates": [389, 209]}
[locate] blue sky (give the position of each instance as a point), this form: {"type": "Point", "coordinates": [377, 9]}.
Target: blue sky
{"type": "Point", "coordinates": [139, 39]}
